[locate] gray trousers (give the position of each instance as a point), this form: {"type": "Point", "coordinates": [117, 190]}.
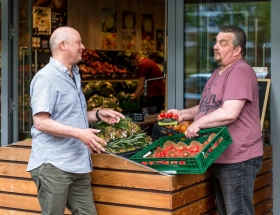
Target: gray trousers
{"type": "Point", "coordinates": [58, 189]}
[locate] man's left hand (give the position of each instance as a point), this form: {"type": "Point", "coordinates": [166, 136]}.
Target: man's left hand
{"type": "Point", "coordinates": [192, 130]}
{"type": "Point", "coordinates": [110, 116]}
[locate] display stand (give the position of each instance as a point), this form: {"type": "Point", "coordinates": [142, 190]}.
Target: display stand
{"type": "Point", "coordinates": [121, 186]}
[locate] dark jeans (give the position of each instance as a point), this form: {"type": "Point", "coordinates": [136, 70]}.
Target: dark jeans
{"type": "Point", "coordinates": [58, 189]}
{"type": "Point", "coordinates": [234, 186]}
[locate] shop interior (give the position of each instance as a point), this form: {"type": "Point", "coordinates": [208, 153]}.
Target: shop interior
{"type": "Point", "coordinates": [111, 31]}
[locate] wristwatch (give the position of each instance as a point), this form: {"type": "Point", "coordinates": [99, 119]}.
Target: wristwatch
{"type": "Point", "coordinates": [97, 115]}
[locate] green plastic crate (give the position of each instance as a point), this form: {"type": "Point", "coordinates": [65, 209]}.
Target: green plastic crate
{"type": "Point", "coordinates": [197, 164]}
{"type": "Point", "coordinates": [129, 104]}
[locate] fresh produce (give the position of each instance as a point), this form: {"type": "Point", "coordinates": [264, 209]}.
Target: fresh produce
{"type": "Point", "coordinates": [90, 55]}
{"type": "Point", "coordinates": [182, 126]}
{"type": "Point", "coordinates": [123, 136]}
{"type": "Point", "coordinates": [93, 63]}
{"type": "Point", "coordinates": [167, 119]}
{"type": "Point", "coordinates": [89, 89]}
{"type": "Point", "coordinates": [171, 149]}
{"type": "Point", "coordinates": [180, 149]}
{"type": "Point", "coordinates": [164, 115]}
{"type": "Point", "coordinates": [105, 88]}
{"type": "Point", "coordinates": [100, 94]}
{"type": "Point", "coordinates": [123, 95]}
{"type": "Point", "coordinates": [133, 142]}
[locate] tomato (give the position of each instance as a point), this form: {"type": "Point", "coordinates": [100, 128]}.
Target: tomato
{"type": "Point", "coordinates": [169, 115]}
{"type": "Point", "coordinates": [173, 162]}
{"type": "Point", "coordinates": [159, 117]}
{"type": "Point", "coordinates": [175, 116]}
{"type": "Point", "coordinates": [162, 114]}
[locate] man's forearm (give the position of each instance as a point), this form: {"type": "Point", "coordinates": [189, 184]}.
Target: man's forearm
{"type": "Point", "coordinates": [189, 114]}
{"type": "Point", "coordinates": [138, 92]}
{"type": "Point", "coordinates": [91, 116]}
{"type": "Point", "coordinates": [57, 129]}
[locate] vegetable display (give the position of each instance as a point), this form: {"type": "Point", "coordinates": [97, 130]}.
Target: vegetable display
{"type": "Point", "coordinates": [122, 137]}
{"type": "Point", "coordinates": [103, 94]}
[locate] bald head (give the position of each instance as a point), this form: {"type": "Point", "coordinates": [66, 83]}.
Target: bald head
{"type": "Point", "coordinates": [59, 35]}
{"type": "Point", "coordinates": [66, 46]}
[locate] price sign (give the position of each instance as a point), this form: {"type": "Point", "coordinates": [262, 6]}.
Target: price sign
{"type": "Point", "coordinates": [137, 117]}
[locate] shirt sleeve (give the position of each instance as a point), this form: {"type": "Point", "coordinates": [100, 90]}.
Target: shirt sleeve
{"type": "Point", "coordinates": [240, 84]}
{"type": "Point", "coordinates": [42, 94]}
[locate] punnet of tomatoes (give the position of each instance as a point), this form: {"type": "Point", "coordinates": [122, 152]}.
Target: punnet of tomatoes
{"type": "Point", "coordinates": [167, 118]}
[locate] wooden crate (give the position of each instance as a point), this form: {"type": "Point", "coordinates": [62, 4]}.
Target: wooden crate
{"type": "Point", "coordinates": [121, 186]}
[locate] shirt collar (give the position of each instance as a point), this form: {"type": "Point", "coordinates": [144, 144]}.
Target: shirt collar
{"type": "Point", "coordinates": [61, 68]}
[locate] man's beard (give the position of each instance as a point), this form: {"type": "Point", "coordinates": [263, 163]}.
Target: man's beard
{"type": "Point", "coordinates": [218, 60]}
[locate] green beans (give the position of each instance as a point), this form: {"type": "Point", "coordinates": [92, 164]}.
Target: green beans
{"type": "Point", "coordinates": [135, 141]}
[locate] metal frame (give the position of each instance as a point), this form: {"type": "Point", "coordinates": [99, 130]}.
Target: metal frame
{"type": "Point", "coordinates": [175, 54]}
{"type": "Point", "coordinates": [275, 101]}
{"type": "Point", "coordinates": [5, 86]}
{"type": "Point", "coordinates": [14, 63]}
{"type": "Point", "coordinates": [9, 72]}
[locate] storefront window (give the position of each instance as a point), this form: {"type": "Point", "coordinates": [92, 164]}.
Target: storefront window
{"type": "Point", "coordinates": [202, 22]}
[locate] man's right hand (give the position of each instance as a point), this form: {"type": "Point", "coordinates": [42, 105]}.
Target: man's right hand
{"type": "Point", "coordinates": [93, 142]}
{"type": "Point", "coordinates": [178, 113]}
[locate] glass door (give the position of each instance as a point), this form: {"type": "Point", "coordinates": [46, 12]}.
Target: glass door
{"type": "Point", "coordinates": [6, 76]}
{"type": "Point", "coordinates": [16, 52]}
{"type": "Point", "coordinates": [25, 68]}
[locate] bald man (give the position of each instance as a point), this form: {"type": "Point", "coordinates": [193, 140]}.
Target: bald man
{"type": "Point", "coordinates": [62, 142]}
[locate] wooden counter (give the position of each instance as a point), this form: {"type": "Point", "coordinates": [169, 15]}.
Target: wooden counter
{"type": "Point", "coordinates": [123, 187]}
